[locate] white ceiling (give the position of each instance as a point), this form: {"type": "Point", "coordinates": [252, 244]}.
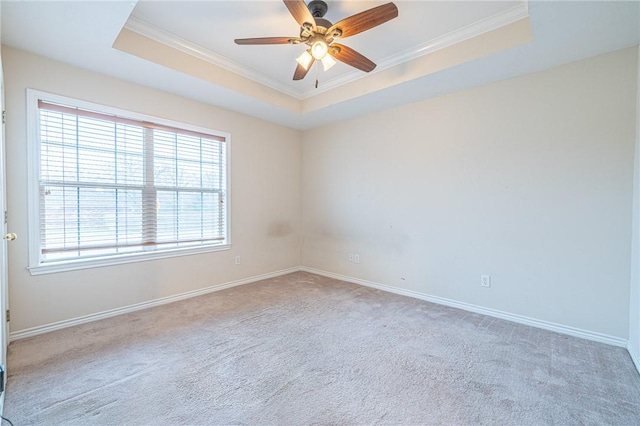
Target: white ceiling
{"type": "Point", "coordinates": [83, 33]}
{"type": "Point", "coordinates": [211, 27]}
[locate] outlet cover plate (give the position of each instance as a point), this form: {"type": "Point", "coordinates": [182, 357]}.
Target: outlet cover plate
{"type": "Point", "coordinates": [485, 280]}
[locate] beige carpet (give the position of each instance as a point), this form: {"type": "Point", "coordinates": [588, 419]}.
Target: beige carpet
{"type": "Point", "coordinates": [304, 349]}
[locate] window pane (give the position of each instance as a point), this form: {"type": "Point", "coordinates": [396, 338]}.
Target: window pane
{"type": "Point", "coordinates": [167, 216]}
{"type": "Point", "coordinates": [96, 166]}
{"type": "Point", "coordinates": [190, 216]}
{"type": "Point", "coordinates": [59, 225]}
{"type": "Point", "coordinates": [188, 174]}
{"type": "Point", "coordinates": [97, 218]}
{"type": "Point", "coordinates": [164, 144]}
{"type": "Point", "coordinates": [213, 220]}
{"type": "Point", "coordinates": [110, 185]}
{"type": "Point", "coordinates": [59, 162]}
{"type": "Point", "coordinates": [129, 169]}
{"type": "Point", "coordinates": [95, 134]}
{"type": "Point", "coordinates": [188, 148]}
{"type": "Point", "coordinates": [129, 217]}
{"type": "Point", "coordinates": [165, 171]}
{"type": "Point", "coordinates": [211, 174]}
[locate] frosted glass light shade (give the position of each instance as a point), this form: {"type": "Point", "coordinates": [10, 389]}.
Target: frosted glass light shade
{"type": "Point", "coordinates": [319, 49]}
{"type": "Point", "coordinates": [305, 59]}
{"type": "Point", "coordinates": [328, 62]}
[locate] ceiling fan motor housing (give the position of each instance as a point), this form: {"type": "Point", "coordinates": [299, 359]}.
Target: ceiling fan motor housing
{"type": "Point", "coordinates": [323, 25]}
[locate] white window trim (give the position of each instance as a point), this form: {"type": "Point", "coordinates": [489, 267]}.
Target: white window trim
{"type": "Point", "coordinates": [36, 267]}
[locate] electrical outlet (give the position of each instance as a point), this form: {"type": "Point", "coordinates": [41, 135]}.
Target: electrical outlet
{"type": "Point", "coordinates": [485, 280]}
{"type": "Point", "coordinates": [356, 258]}
{"type": "Point", "coordinates": [237, 260]}
{"type": "Point", "coordinates": [351, 258]}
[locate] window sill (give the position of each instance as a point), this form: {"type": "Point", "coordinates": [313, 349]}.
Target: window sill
{"type": "Point", "coordinates": [74, 265]}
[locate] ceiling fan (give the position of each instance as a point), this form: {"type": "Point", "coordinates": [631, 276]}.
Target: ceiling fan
{"type": "Point", "coordinates": [319, 34]}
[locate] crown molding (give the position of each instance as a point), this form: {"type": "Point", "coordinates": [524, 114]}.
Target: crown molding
{"type": "Point", "coordinates": [169, 39]}
{"type": "Point", "coordinates": [478, 28]}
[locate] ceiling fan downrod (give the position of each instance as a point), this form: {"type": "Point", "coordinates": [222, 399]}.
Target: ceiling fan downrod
{"type": "Point", "coordinates": [318, 8]}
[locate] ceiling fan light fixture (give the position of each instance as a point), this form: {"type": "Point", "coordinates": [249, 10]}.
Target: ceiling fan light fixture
{"type": "Point", "coordinates": [305, 59]}
{"type": "Point", "coordinates": [320, 35]}
{"type": "Point", "coordinates": [319, 49]}
{"type": "Point", "coordinates": [328, 62]}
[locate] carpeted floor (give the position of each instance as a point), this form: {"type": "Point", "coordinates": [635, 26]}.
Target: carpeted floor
{"type": "Point", "coordinates": [304, 349]}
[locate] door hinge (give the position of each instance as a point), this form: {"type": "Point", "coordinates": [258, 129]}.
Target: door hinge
{"type": "Point", "coordinates": [4, 117]}
{"type": "Point", "coordinates": [5, 216]}
{"type": "Point", "coordinates": [8, 315]}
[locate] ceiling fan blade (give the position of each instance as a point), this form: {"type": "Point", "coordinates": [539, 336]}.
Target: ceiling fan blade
{"type": "Point", "coordinates": [266, 40]}
{"type": "Point", "coordinates": [351, 57]}
{"type": "Point", "coordinates": [300, 12]}
{"type": "Point", "coordinates": [364, 20]}
{"type": "Point", "coordinates": [300, 72]}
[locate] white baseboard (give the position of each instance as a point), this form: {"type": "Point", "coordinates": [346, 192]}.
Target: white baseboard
{"type": "Point", "coordinates": [34, 331]}
{"type": "Point", "coordinates": [546, 325]}
{"type": "Point", "coordinates": [559, 328]}
{"type": "Point", "coordinates": [635, 357]}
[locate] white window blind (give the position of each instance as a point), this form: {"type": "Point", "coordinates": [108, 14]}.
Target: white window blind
{"type": "Point", "coordinates": [112, 185]}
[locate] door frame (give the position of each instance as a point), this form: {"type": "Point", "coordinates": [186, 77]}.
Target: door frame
{"type": "Point", "coordinates": [4, 300]}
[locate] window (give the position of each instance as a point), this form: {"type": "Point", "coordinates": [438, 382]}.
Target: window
{"type": "Point", "coordinates": [110, 186]}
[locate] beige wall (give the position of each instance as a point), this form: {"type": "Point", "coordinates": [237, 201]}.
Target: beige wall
{"type": "Point", "coordinates": [265, 197]}
{"type": "Point", "coordinates": [528, 180]}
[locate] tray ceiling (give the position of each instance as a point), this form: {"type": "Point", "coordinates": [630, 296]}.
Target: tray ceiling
{"type": "Point", "coordinates": [432, 48]}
